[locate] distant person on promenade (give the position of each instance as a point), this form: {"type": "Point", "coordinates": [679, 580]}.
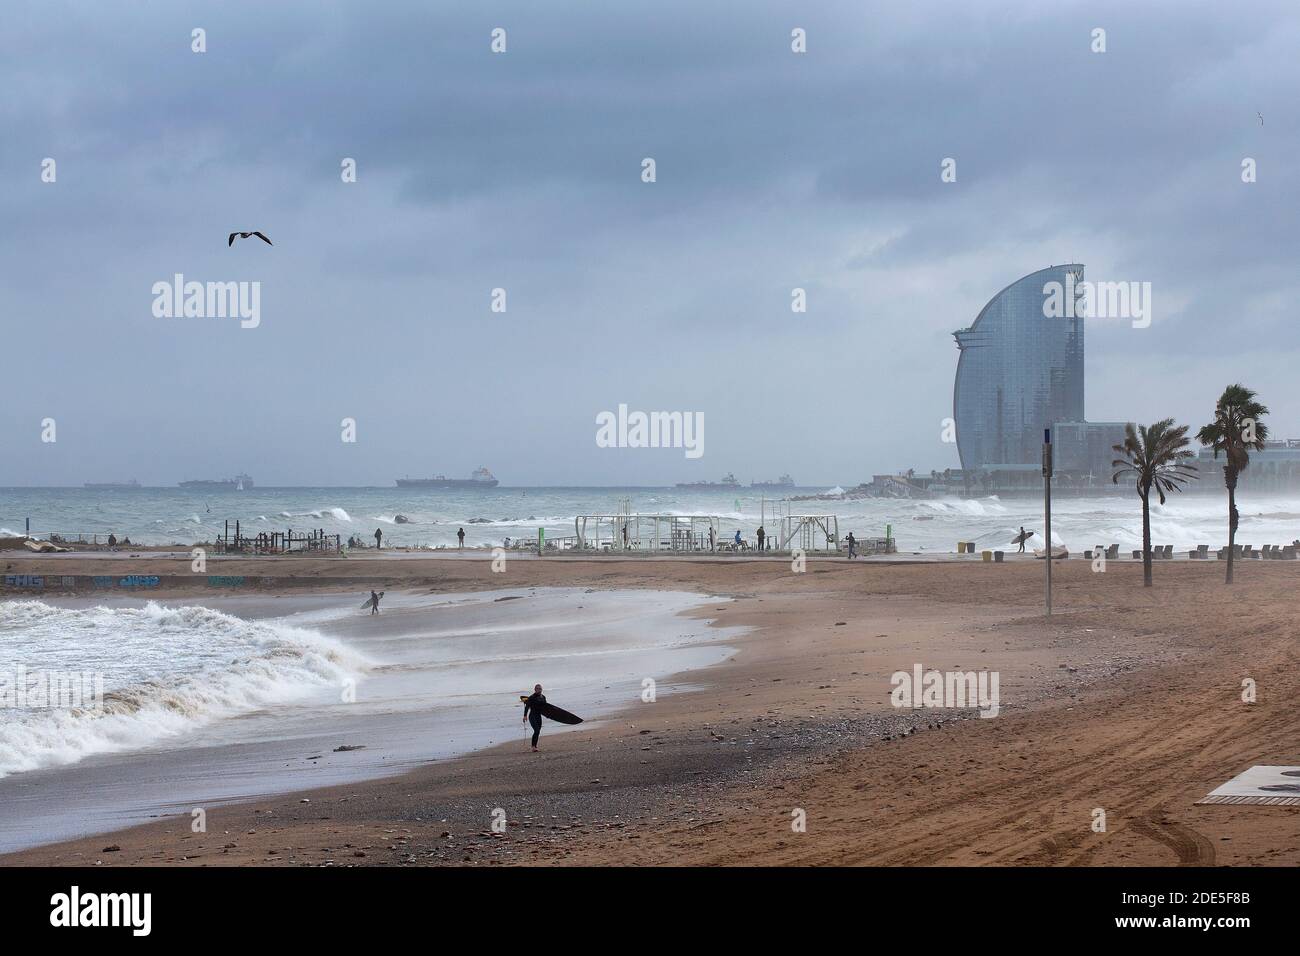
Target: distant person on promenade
{"type": "Point", "coordinates": [738, 542]}
{"type": "Point", "coordinates": [762, 535]}
{"type": "Point", "coordinates": [712, 542]}
{"type": "Point", "coordinates": [533, 715]}
{"type": "Point", "coordinates": [1022, 540]}
{"type": "Point", "coordinates": [379, 538]}
{"type": "Point", "coordinates": [624, 535]}
{"type": "Point", "coordinates": [853, 546]}
{"type": "Point", "coordinates": [112, 541]}
{"type": "Point", "coordinates": [460, 536]}
{"type": "Point", "coordinates": [374, 603]}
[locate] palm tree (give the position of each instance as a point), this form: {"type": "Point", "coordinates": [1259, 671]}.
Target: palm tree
{"type": "Point", "coordinates": [1236, 429]}
{"type": "Point", "coordinates": [1156, 455]}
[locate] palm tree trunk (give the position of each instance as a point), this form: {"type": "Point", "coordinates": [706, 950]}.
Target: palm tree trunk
{"type": "Point", "coordinates": [1230, 479]}
{"type": "Point", "coordinates": [1146, 539]}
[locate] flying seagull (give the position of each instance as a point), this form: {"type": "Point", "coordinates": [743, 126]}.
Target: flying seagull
{"type": "Point", "coordinates": [244, 235]}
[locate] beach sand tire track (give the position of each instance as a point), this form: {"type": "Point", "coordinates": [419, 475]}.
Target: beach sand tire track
{"type": "Point", "coordinates": [1191, 847]}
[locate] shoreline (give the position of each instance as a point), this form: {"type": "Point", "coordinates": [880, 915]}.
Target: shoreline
{"type": "Point", "coordinates": [430, 678]}
{"type": "Point", "coordinates": [803, 705]}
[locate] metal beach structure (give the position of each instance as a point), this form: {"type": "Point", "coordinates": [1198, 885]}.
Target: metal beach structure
{"type": "Point", "coordinates": [643, 533]}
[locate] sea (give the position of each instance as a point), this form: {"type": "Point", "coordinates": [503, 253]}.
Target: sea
{"type": "Point", "coordinates": [158, 516]}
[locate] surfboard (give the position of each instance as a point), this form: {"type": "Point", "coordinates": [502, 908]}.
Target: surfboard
{"type": "Point", "coordinates": [558, 714]}
{"type": "Point", "coordinates": [366, 603]}
{"type": "Point", "coordinates": [1022, 537]}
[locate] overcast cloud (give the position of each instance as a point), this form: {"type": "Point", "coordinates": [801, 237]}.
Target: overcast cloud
{"type": "Point", "coordinates": [522, 171]}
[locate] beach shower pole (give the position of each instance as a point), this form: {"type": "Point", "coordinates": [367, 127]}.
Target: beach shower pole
{"type": "Point", "coordinates": [1047, 510]}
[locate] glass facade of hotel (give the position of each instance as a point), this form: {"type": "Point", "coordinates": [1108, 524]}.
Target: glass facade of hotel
{"type": "Point", "coordinates": [1019, 372]}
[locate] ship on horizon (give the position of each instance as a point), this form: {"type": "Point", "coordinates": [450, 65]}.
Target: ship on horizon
{"type": "Point", "coordinates": [785, 481]}
{"type": "Point", "coordinates": [728, 481]}
{"type": "Point", "coordinates": [111, 485]}
{"type": "Point", "coordinates": [481, 478]}
{"type": "Point", "coordinates": [238, 483]}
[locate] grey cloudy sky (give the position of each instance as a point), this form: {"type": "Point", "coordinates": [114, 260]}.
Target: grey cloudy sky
{"type": "Point", "coordinates": [522, 171]}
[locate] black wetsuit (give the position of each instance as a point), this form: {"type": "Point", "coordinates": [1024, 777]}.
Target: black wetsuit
{"type": "Point", "coordinates": [534, 715]}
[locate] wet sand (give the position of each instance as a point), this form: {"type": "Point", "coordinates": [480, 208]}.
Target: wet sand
{"type": "Point", "coordinates": [1128, 700]}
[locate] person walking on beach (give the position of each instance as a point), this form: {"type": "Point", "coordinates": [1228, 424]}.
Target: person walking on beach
{"type": "Point", "coordinates": [1022, 540]}
{"type": "Point", "coordinates": [533, 713]}
{"type": "Point", "coordinates": [460, 536]}
{"type": "Point", "coordinates": [738, 542]}
{"type": "Point", "coordinates": [374, 603]}
{"type": "Point", "coordinates": [853, 546]}
{"type": "Point", "coordinates": [624, 535]}
{"type": "Point", "coordinates": [379, 538]}
{"type": "Point", "coordinates": [761, 536]}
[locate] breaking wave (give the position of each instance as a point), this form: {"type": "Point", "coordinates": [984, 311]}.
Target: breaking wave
{"type": "Point", "coordinates": [166, 671]}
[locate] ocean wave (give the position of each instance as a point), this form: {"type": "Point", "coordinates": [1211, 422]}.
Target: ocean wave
{"type": "Point", "coordinates": [967, 507]}
{"type": "Point", "coordinates": [166, 671]}
{"type": "Point", "coordinates": [338, 514]}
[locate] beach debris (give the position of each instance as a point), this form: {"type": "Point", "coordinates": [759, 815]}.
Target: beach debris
{"type": "Point", "coordinates": [244, 235]}
{"type": "Point", "coordinates": [113, 848]}
{"type": "Point", "coordinates": [346, 747]}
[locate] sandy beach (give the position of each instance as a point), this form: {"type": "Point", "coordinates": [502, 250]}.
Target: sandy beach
{"type": "Point", "coordinates": [1126, 700]}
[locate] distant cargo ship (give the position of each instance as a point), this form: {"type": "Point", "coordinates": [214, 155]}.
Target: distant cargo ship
{"type": "Point", "coordinates": [238, 483]}
{"type": "Point", "coordinates": [785, 481]}
{"type": "Point", "coordinates": [111, 485]}
{"type": "Point", "coordinates": [728, 481]}
{"type": "Point", "coordinates": [482, 478]}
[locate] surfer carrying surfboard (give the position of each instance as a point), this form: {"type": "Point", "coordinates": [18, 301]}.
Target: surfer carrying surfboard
{"type": "Point", "coordinates": [536, 707]}
{"type": "Point", "coordinates": [533, 712]}
{"type": "Point", "coordinates": [374, 603]}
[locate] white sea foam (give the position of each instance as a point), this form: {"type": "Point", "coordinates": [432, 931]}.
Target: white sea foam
{"type": "Point", "coordinates": [167, 671]}
{"type": "Point", "coordinates": [338, 514]}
